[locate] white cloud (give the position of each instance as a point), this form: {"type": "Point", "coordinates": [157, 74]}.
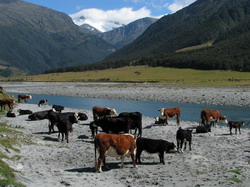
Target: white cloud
{"type": "Point", "coordinates": [107, 20]}
{"type": "Point", "coordinates": [179, 4]}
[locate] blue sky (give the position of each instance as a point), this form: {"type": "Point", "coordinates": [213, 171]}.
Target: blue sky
{"type": "Point", "coordinates": [98, 12]}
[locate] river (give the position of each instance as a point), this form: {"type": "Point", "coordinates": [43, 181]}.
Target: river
{"type": "Point", "coordinates": [189, 112]}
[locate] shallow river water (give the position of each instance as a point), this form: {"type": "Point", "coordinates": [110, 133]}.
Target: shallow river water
{"type": "Point", "coordinates": [189, 112]}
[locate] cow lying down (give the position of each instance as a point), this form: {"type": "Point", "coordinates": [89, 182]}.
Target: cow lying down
{"type": "Point", "coordinates": [153, 146]}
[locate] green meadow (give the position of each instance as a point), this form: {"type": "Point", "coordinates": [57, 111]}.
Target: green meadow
{"type": "Point", "coordinates": [175, 76]}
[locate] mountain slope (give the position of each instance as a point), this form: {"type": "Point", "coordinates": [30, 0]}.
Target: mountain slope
{"type": "Point", "coordinates": [119, 37]}
{"type": "Point", "coordinates": [35, 39]}
{"type": "Point", "coordinates": [222, 22]}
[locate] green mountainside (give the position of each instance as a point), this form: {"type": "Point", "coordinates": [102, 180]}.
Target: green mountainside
{"type": "Point", "coordinates": [181, 39]}
{"type": "Point", "coordinates": [35, 39]}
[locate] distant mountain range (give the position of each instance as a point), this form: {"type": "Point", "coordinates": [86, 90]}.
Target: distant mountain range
{"type": "Point", "coordinates": [208, 34]}
{"type": "Point", "coordinates": [121, 36]}
{"type": "Point", "coordinates": [35, 39]}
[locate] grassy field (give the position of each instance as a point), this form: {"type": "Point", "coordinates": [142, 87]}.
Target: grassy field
{"type": "Point", "coordinates": [148, 74]}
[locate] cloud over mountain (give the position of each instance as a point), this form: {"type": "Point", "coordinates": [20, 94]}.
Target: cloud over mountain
{"type": "Point", "coordinates": [110, 19]}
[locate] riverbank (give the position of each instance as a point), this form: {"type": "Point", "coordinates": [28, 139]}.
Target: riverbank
{"type": "Point", "coordinates": [236, 96]}
{"type": "Point", "coordinates": [216, 159]}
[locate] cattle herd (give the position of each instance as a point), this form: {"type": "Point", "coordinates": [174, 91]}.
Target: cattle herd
{"type": "Point", "coordinates": [118, 139]}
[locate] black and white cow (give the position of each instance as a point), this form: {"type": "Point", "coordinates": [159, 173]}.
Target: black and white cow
{"type": "Point", "coordinates": [183, 136]}
{"type": "Point", "coordinates": [153, 146]}
{"type": "Point", "coordinates": [43, 102]}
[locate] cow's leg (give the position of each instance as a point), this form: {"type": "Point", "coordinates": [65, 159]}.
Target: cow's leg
{"type": "Point", "coordinates": [161, 156]}
{"type": "Point", "coordinates": [239, 130]}
{"type": "Point", "coordinates": [138, 156]}
{"type": "Point", "coordinates": [190, 142]}
{"type": "Point", "coordinates": [230, 128]}
{"type": "Point", "coordinates": [178, 120]}
{"type": "Point", "coordinates": [122, 161]}
{"type": "Point", "coordinates": [185, 144]}
{"type": "Point", "coordinates": [132, 154]}
{"type": "Point", "coordinates": [235, 130]}
{"type": "Point", "coordinates": [67, 136]}
{"type": "Point", "coordinates": [99, 167]}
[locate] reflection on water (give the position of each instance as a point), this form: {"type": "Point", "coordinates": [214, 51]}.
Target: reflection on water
{"type": "Point", "coordinates": [189, 112]}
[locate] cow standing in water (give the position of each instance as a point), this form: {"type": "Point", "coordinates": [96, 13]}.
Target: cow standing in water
{"type": "Point", "coordinates": [22, 97]}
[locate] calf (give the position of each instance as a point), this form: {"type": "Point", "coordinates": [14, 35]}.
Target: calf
{"type": "Point", "coordinates": [183, 136]}
{"type": "Point", "coordinates": [136, 118]}
{"type": "Point", "coordinates": [54, 117]}
{"type": "Point", "coordinates": [203, 129]}
{"type": "Point", "coordinates": [153, 146]}
{"type": "Point", "coordinates": [43, 102]}
{"type": "Point", "coordinates": [11, 114]}
{"type": "Point", "coordinates": [99, 112]}
{"type": "Point", "coordinates": [171, 113]}
{"type": "Point", "coordinates": [114, 145]}
{"type": "Point", "coordinates": [8, 102]}
{"type": "Point", "coordinates": [236, 125]}
{"type": "Point", "coordinates": [114, 125]}
{"type": "Point", "coordinates": [65, 126]}
{"type": "Point", "coordinates": [58, 108]}
{"type": "Point", "coordinates": [24, 112]}
{"type": "Point", "coordinates": [161, 120]}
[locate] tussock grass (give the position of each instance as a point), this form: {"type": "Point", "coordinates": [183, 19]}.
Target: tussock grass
{"type": "Point", "coordinates": [149, 74]}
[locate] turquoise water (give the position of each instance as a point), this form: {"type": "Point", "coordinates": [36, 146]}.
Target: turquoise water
{"type": "Point", "coordinates": [189, 112]}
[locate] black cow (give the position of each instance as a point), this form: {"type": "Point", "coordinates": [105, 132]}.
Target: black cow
{"type": "Point", "coordinates": [54, 117]}
{"type": "Point", "coordinates": [136, 118]}
{"type": "Point", "coordinates": [115, 125]}
{"type": "Point", "coordinates": [58, 108]}
{"type": "Point", "coordinates": [40, 115]}
{"type": "Point", "coordinates": [183, 136]}
{"type": "Point", "coordinates": [11, 114]}
{"type": "Point", "coordinates": [236, 125]}
{"type": "Point", "coordinates": [203, 129]}
{"type": "Point", "coordinates": [82, 116]}
{"type": "Point", "coordinates": [43, 102]}
{"type": "Point", "coordinates": [63, 121]}
{"type": "Point", "coordinates": [24, 112]}
{"type": "Point", "coordinates": [153, 146]}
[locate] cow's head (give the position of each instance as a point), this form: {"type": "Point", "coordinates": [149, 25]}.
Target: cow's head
{"type": "Point", "coordinates": [223, 119]}
{"type": "Point", "coordinates": [161, 111]}
{"type": "Point", "coordinates": [112, 112]}
{"type": "Point", "coordinates": [172, 148]}
{"type": "Point", "coordinates": [29, 96]}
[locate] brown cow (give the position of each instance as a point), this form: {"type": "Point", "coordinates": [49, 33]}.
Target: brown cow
{"type": "Point", "coordinates": [99, 112]}
{"type": "Point", "coordinates": [9, 102]}
{"type": "Point", "coordinates": [171, 113]}
{"type": "Point", "coordinates": [212, 116]}
{"type": "Point", "coordinates": [23, 97]}
{"type": "Point", "coordinates": [114, 145]}
{"type": "Point", "coordinates": [236, 125]}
